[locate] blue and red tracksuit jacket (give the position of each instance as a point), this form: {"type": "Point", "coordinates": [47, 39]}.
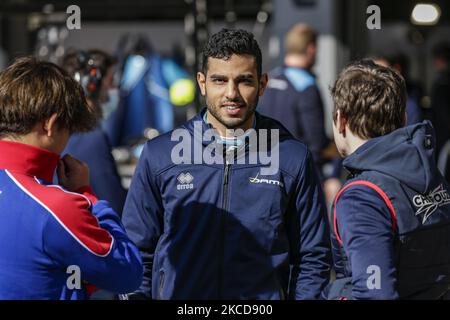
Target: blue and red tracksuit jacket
{"type": "Point", "coordinates": [224, 230]}
{"type": "Point", "coordinates": [45, 229]}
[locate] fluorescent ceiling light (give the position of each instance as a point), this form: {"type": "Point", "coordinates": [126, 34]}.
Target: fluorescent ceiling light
{"type": "Point", "coordinates": [425, 14]}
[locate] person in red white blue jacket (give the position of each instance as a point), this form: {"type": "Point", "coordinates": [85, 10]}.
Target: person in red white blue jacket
{"type": "Point", "coordinates": [56, 241]}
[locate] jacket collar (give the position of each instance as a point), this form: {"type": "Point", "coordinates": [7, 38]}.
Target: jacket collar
{"type": "Point", "coordinates": [28, 159]}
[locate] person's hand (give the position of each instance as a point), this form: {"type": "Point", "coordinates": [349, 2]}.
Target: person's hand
{"type": "Point", "coordinates": [72, 173]}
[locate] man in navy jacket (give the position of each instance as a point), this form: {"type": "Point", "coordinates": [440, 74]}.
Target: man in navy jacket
{"type": "Point", "coordinates": [228, 229]}
{"type": "Point", "coordinates": [392, 217]}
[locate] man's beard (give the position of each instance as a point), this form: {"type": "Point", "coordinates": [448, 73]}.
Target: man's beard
{"type": "Point", "coordinates": [236, 122]}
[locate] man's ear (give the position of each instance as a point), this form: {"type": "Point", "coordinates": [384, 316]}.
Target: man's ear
{"type": "Point", "coordinates": [263, 83]}
{"type": "Point", "coordinates": [341, 122]}
{"type": "Point", "coordinates": [49, 125]}
{"type": "Point", "coordinates": [201, 80]}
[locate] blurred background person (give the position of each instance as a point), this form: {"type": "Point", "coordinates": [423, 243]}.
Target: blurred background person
{"type": "Point", "coordinates": [294, 99]}
{"type": "Point", "coordinates": [93, 69]}
{"type": "Point", "coordinates": [154, 90]}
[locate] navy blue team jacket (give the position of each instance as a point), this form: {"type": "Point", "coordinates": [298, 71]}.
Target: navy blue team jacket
{"type": "Point", "coordinates": [392, 219]}
{"type": "Point", "coordinates": [224, 231]}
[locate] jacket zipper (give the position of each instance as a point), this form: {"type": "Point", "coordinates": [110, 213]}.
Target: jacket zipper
{"type": "Point", "coordinates": [161, 285]}
{"type": "Point", "coordinates": [225, 186]}
{"type": "Point", "coordinates": [222, 224]}
{"type": "Point", "coordinates": [279, 287]}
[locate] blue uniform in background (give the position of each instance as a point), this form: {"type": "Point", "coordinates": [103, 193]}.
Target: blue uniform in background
{"type": "Point", "coordinates": [293, 98]}
{"type": "Point", "coordinates": [145, 98]}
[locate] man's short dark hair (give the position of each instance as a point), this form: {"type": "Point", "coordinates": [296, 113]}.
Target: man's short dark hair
{"type": "Point", "coordinates": [227, 42]}
{"type": "Point", "coordinates": [32, 91]}
{"type": "Point", "coordinates": [372, 99]}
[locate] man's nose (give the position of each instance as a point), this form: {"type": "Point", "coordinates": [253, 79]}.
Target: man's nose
{"type": "Point", "coordinates": [232, 90]}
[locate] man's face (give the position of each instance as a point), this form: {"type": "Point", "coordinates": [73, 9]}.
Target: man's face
{"type": "Point", "coordinates": [231, 88]}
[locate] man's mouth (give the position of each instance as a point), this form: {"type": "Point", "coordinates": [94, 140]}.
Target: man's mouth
{"type": "Point", "coordinates": [232, 109]}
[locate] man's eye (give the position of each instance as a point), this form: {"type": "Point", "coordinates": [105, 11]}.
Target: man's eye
{"type": "Point", "coordinates": [247, 82]}
{"type": "Point", "coordinates": [218, 81]}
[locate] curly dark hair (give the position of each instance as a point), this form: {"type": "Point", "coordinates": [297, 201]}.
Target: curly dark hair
{"type": "Point", "coordinates": [372, 99]}
{"type": "Point", "coordinates": [226, 42]}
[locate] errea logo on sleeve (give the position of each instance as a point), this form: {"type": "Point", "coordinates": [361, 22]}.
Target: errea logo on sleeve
{"type": "Point", "coordinates": [185, 181]}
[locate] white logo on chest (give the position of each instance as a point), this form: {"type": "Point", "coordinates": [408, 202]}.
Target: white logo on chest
{"type": "Point", "coordinates": [266, 181]}
{"type": "Point", "coordinates": [427, 204]}
{"type": "Point", "coordinates": [185, 181]}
